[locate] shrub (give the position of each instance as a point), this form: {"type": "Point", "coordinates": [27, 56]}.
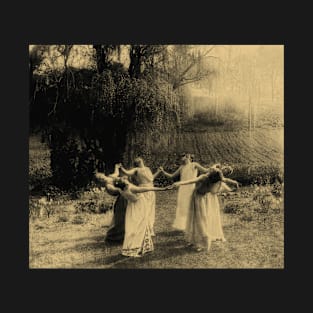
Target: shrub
{"type": "Point", "coordinates": [63, 219]}
{"type": "Point", "coordinates": [93, 206]}
{"type": "Point", "coordinates": [99, 120]}
{"type": "Point", "coordinates": [234, 207]}
{"type": "Point", "coordinates": [246, 217]}
{"type": "Point", "coordinates": [41, 207]}
{"type": "Point", "coordinates": [78, 219]}
{"type": "Point", "coordinates": [269, 198]}
{"type": "Point", "coordinates": [71, 167]}
{"type": "Point", "coordinates": [258, 174]}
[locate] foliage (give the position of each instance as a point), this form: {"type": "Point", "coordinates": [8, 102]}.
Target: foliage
{"type": "Point", "coordinates": [101, 119]}
{"type": "Point", "coordinates": [79, 219]}
{"type": "Point", "coordinates": [93, 206]}
{"type": "Point", "coordinates": [92, 118]}
{"type": "Point", "coordinates": [258, 174]}
{"type": "Point", "coordinates": [261, 199]}
{"type": "Point", "coordinates": [269, 197]}
{"type": "Point", "coordinates": [41, 207]}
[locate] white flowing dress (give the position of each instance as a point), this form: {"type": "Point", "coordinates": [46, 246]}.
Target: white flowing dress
{"type": "Point", "coordinates": [144, 178]}
{"type": "Point", "coordinates": [204, 220]}
{"type": "Point", "coordinates": [184, 196]}
{"type": "Point", "coordinates": [137, 239]}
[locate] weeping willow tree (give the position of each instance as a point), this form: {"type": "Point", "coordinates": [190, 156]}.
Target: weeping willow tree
{"type": "Point", "coordinates": [94, 118]}
{"type": "Point", "coordinates": [142, 115]}
{"type": "Point", "coordinates": [111, 112]}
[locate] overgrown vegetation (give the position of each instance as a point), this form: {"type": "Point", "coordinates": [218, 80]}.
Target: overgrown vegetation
{"type": "Point", "coordinates": [109, 112]}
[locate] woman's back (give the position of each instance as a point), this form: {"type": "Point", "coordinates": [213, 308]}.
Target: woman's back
{"type": "Point", "coordinates": [129, 195]}
{"type": "Point", "coordinates": [210, 183]}
{"type": "Point", "coordinates": [143, 175]}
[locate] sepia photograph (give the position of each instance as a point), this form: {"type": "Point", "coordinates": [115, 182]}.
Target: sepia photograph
{"type": "Point", "coordinates": [164, 156]}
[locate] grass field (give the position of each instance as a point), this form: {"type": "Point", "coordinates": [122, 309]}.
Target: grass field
{"type": "Point", "coordinates": [74, 238]}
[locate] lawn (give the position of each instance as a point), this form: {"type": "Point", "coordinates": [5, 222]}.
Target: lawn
{"type": "Point", "coordinates": [73, 235]}
{"type": "Point", "coordinates": [76, 239]}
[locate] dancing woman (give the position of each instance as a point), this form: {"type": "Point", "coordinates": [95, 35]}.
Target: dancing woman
{"type": "Point", "coordinates": [187, 170]}
{"type": "Point", "coordinates": [138, 239]}
{"type": "Point", "coordinates": [115, 233]}
{"type": "Point", "coordinates": [204, 221]}
{"type": "Point", "coordinates": [142, 176]}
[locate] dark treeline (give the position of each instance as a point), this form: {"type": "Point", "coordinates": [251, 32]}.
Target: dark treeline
{"type": "Point", "coordinates": [95, 116]}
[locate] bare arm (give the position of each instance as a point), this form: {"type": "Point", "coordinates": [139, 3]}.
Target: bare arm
{"type": "Point", "coordinates": [168, 175]}
{"type": "Point", "coordinates": [116, 171]}
{"type": "Point", "coordinates": [191, 181]}
{"type": "Point", "coordinates": [112, 190]}
{"type": "Point", "coordinates": [101, 177]}
{"type": "Point", "coordinates": [224, 187]}
{"type": "Point", "coordinates": [156, 174]}
{"type": "Point", "coordinates": [230, 181]}
{"type": "Point", "coordinates": [136, 189]}
{"type": "Point", "coordinates": [200, 168]}
{"type": "Point", "coordinates": [130, 172]}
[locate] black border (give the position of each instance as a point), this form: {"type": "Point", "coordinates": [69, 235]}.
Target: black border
{"type": "Point", "coordinates": [161, 23]}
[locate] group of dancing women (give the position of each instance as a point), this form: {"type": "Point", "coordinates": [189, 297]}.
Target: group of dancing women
{"type": "Point", "coordinates": [197, 210]}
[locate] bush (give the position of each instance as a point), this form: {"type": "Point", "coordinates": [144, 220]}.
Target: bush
{"type": "Point", "coordinates": [269, 198]}
{"type": "Point", "coordinates": [41, 207]}
{"type": "Point", "coordinates": [234, 207]}
{"type": "Point", "coordinates": [258, 174]}
{"type": "Point", "coordinates": [63, 219]}
{"type": "Point", "coordinates": [247, 217]}
{"type": "Point", "coordinates": [78, 219]}
{"type": "Point", "coordinates": [71, 167]}
{"type": "Point", "coordinates": [93, 206]}
{"type": "Point", "coordinates": [101, 119]}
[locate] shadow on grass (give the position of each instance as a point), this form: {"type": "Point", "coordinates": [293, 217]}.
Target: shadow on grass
{"type": "Point", "coordinates": [97, 244]}
{"type": "Point", "coordinates": [169, 234]}
{"type": "Point", "coordinates": [163, 251]}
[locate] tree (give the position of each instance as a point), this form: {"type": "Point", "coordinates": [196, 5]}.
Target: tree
{"type": "Point", "coordinates": [143, 58]}
{"type": "Point", "coordinates": [104, 55]}
{"type": "Point", "coordinates": [185, 64]}
{"type": "Point", "coordinates": [111, 112]}
{"type": "Point", "coordinates": [36, 57]}
{"type": "Point", "coordinates": [96, 119]}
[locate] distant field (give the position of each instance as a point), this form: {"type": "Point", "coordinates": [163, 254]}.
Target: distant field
{"type": "Point", "coordinates": [264, 146]}
{"type": "Point", "coordinates": [262, 149]}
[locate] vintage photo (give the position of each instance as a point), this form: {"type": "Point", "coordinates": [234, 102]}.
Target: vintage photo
{"type": "Point", "coordinates": [156, 156]}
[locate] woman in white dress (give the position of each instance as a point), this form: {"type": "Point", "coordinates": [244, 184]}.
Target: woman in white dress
{"type": "Point", "coordinates": [204, 221]}
{"type": "Point", "coordinates": [115, 233]}
{"type": "Point", "coordinates": [137, 239]}
{"type": "Point", "coordinates": [142, 176]}
{"type": "Point", "coordinates": [188, 170]}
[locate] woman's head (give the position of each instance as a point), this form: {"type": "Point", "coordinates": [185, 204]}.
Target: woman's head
{"type": "Point", "coordinates": [189, 157]}
{"type": "Point", "coordinates": [215, 176]}
{"type": "Point", "coordinates": [121, 182]}
{"type": "Point", "coordinates": [138, 161]}
{"type": "Point", "coordinates": [227, 170]}
{"type": "Point", "coordinates": [185, 158]}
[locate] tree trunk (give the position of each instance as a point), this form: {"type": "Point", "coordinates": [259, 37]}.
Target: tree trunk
{"type": "Point", "coordinates": [135, 62]}
{"type": "Point", "coordinates": [99, 58]}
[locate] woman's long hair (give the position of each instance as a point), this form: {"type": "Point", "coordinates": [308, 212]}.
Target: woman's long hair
{"type": "Point", "coordinates": [120, 184]}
